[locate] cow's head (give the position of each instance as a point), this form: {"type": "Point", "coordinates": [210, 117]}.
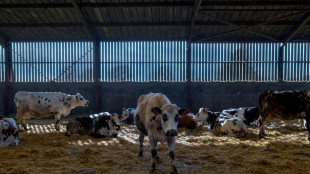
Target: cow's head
{"type": "Point", "coordinates": [207, 116]}
{"type": "Point", "coordinates": [127, 112]}
{"type": "Point", "coordinates": [113, 122]}
{"type": "Point", "coordinates": [80, 100]}
{"type": "Point", "coordinates": [169, 114]}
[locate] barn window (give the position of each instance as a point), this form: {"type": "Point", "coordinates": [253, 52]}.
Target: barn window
{"type": "Point", "coordinates": [143, 61]}
{"type": "Point", "coordinates": [296, 62]}
{"type": "Point", "coordinates": [233, 62]}
{"type": "Point", "coordinates": [2, 64]}
{"type": "Point", "coordinates": [52, 61]}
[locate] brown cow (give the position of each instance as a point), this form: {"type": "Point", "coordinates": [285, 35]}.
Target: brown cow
{"type": "Point", "coordinates": [285, 105]}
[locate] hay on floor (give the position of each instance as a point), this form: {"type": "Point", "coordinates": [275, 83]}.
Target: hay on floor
{"type": "Point", "coordinates": [43, 150]}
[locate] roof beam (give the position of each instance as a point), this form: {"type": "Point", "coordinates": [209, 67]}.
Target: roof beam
{"type": "Point", "coordinates": [141, 24]}
{"type": "Point", "coordinates": [83, 19]}
{"type": "Point", "coordinates": [255, 10]}
{"type": "Point", "coordinates": [243, 28]}
{"type": "Point", "coordinates": [156, 4]}
{"type": "Point", "coordinates": [238, 27]}
{"type": "Point", "coordinates": [195, 12]}
{"type": "Point", "coordinates": [3, 40]}
{"type": "Point", "coordinates": [297, 27]}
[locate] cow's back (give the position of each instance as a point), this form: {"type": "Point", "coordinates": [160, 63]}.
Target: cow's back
{"type": "Point", "coordinates": [39, 104]}
{"type": "Point", "coordinates": [284, 105]}
{"type": "Point", "coordinates": [145, 104]}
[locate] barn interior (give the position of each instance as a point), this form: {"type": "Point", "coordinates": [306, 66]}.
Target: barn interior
{"type": "Point", "coordinates": [200, 53]}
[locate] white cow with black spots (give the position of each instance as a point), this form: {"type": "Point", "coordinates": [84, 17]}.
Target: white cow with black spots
{"type": "Point", "coordinates": [9, 134]}
{"type": "Point", "coordinates": [43, 104]}
{"type": "Point", "coordinates": [157, 118]}
{"type": "Point", "coordinates": [221, 125]}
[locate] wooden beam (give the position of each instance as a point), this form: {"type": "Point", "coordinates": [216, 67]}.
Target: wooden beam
{"type": "Point", "coordinates": [238, 27]}
{"type": "Point", "coordinates": [297, 27]}
{"type": "Point", "coordinates": [196, 7]}
{"type": "Point", "coordinates": [156, 4]}
{"type": "Point", "coordinates": [243, 28]}
{"type": "Point", "coordinates": [3, 40]}
{"type": "Point", "coordinates": [255, 10]}
{"type": "Point", "coordinates": [83, 19]}
{"type": "Point", "coordinates": [193, 19]}
{"type": "Point", "coordinates": [140, 24]}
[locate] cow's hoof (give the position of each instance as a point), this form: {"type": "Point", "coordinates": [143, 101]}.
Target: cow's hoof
{"type": "Point", "coordinates": [261, 136]}
{"type": "Point", "coordinates": [140, 153]}
{"type": "Point", "coordinates": [153, 167]}
{"type": "Point", "coordinates": [174, 170]}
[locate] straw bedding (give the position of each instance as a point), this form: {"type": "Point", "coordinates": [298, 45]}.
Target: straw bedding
{"type": "Point", "coordinates": [43, 150]}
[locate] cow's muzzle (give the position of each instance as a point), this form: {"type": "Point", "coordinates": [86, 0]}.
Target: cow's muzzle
{"type": "Point", "coordinates": [172, 132]}
{"type": "Point", "coordinates": [86, 104]}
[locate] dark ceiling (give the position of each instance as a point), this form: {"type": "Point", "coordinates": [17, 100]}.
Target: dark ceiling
{"type": "Point", "coordinates": [196, 21]}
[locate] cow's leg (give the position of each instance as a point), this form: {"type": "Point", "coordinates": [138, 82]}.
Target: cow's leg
{"type": "Point", "coordinates": [153, 144]}
{"type": "Point", "coordinates": [18, 119]}
{"type": "Point", "coordinates": [141, 139]}
{"type": "Point", "coordinates": [301, 124]}
{"type": "Point", "coordinates": [262, 133]}
{"type": "Point", "coordinates": [24, 124]}
{"type": "Point", "coordinates": [308, 124]}
{"type": "Point", "coordinates": [57, 119]}
{"type": "Point", "coordinates": [171, 144]}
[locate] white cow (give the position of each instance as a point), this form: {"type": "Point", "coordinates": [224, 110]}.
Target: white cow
{"type": "Point", "coordinates": [8, 132]}
{"type": "Point", "coordinates": [234, 127]}
{"type": "Point", "coordinates": [43, 104]}
{"type": "Point", "coordinates": [157, 118]}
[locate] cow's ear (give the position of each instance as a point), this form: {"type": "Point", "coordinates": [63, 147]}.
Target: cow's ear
{"type": "Point", "coordinates": [124, 109]}
{"type": "Point", "coordinates": [156, 110]}
{"type": "Point", "coordinates": [1, 117]}
{"type": "Point", "coordinates": [183, 111]}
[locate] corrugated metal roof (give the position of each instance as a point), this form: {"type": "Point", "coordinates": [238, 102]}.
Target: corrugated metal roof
{"type": "Point", "coordinates": [216, 20]}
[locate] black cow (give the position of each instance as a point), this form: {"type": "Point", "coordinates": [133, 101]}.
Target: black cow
{"type": "Point", "coordinates": [284, 105]}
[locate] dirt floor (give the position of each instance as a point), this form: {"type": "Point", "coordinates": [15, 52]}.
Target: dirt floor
{"type": "Point", "coordinates": [43, 150]}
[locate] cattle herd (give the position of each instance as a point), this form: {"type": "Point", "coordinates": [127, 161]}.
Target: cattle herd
{"type": "Point", "coordinates": [155, 117]}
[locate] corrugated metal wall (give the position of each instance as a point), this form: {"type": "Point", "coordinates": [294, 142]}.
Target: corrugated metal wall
{"type": "Point", "coordinates": [296, 62]}
{"type": "Point", "coordinates": [143, 61]}
{"type": "Point", "coordinates": [147, 61]}
{"type": "Point", "coordinates": [231, 62]}
{"type": "Point", "coordinates": [52, 61]}
{"type": "Point", "coordinates": [2, 64]}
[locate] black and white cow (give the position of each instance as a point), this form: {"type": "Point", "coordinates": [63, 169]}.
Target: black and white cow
{"type": "Point", "coordinates": [222, 125]}
{"type": "Point", "coordinates": [9, 134]}
{"type": "Point", "coordinates": [99, 125]}
{"type": "Point", "coordinates": [249, 115]}
{"type": "Point", "coordinates": [157, 118]}
{"type": "Point", "coordinates": [43, 104]}
{"type": "Point", "coordinates": [284, 105]}
{"type": "Point", "coordinates": [128, 116]}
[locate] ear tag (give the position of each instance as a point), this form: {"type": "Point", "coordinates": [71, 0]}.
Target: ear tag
{"type": "Point", "coordinates": [205, 109]}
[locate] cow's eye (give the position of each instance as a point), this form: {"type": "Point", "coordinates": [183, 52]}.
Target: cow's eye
{"type": "Point", "coordinates": [165, 117]}
{"type": "Point", "coordinates": [177, 117]}
{"type": "Point", "coordinates": [81, 99]}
